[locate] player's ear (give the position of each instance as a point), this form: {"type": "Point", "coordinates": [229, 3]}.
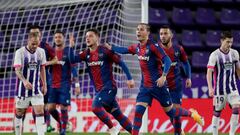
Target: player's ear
{"type": "Point", "coordinates": [171, 34]}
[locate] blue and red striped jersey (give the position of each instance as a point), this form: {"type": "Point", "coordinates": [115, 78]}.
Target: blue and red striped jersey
{"type": "Point", "coordinates": [150, 57]}
{"type": "Point", "coordinates": [50, 54]}
{"type": "Point", "coordinates": [61, 72]}
{"type": "Point", "coordinates": [99, 63]}
{"type": "Point", "coordinates": [177, 55]}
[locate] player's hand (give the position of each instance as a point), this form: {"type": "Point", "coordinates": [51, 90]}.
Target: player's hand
{"type": "Point", "coordinates": [130, 83]}
{"type": "Point", "coordinates": [160, 81]}
{"type": "Point", "coordinates": [188, 83]}
{"type": "Point", "coordinates": [108, 46]}
{"type": "Point", "coordinates": [52, 62]}
{"type": "Point", "coordinates": [44, 90]}
{"type": "Point", "coordinates": [77, 91]}
{"type": "Point", "coordinates": [27, 85]}
{"type": "Point", "coordinates": [71, 40]}
{"type": "Point", "coordinates": [211, 92]}
{"type": "Point", "coordinates": [55, 60]}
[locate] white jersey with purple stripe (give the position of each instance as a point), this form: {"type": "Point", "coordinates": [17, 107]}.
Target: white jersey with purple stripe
{"type": "Point", "coordinates": [224, 65]}
{"type": "Point", "coordinates": [30, 64]}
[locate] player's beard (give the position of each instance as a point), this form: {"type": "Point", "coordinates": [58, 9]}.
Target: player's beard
{"type": "Point", "coordinates": [166, 42]}
{"type": "Point", "coordinates": [59, 45]}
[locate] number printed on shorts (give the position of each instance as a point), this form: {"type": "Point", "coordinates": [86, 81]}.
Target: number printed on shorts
{"type": "Point", "coordinates": [220, 100]}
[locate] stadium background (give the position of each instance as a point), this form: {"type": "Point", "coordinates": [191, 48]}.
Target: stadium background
{"type": "Point", "coordinates": [196, 24]}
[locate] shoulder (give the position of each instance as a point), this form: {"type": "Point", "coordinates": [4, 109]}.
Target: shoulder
{"type": "Point", "coordinates": [155, 46]}
{"type": "Point", "coordinates": [67, 48]}
{"type": "Point", "coordinates": [233, 51]}
{"type": "Point", "coordinates": [40, 49]}
{"type": "Point", "coordinates": [20, 49]}
{"type": "Point", "coordinates": [83, 52]}
{"type": "Point", "coordinates": [103, 48]}
{"type": "Point", "coordinates": [215, 53]}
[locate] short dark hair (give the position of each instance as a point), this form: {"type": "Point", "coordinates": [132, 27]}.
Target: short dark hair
{"type": "Point", "coordinates": [226, 34]}
{"type": "Point", "coordinates": [34, 27]}
{"type": "Point", "coordinates": [165, 27]}
{"type": "Point", "coordinates": [147, 26]}
{"type": "Point", "coordinates": [94, 31]}
{"type": "Point", "coordinates": [59, 32]}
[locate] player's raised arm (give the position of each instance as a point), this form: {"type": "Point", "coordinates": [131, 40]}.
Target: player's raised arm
{"type": "Point", "coordinates": [71, 40]}
{"type": "Point", "coordinates": [75, 79]}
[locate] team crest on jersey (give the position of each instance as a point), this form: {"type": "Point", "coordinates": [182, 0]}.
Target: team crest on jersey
{"type": "Point", "coordinates": [228, 65]}
{"type": "Point", "coordinates": [100, 55]}
{"type": "Point", "coordinates": [176, 53]}
{"type": "Point", "coordinates": [88, 56]}
{"type": "Point", "coordinates": [32, 65]}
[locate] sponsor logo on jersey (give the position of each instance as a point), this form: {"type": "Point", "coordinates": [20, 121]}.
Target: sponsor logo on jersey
{"type": "Point", "coordinates": [143, 58]}
{"type": "Point", "coordinates": [95, 63]}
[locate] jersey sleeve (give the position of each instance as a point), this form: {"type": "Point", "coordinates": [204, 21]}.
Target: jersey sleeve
{"type": "Point", "coordinates": [50, 51]}
{"type": "Point", "coordinates": [113, 56]}
{"type": "Point", "coordinates": [237, 62]}
{"type": "Point", "coordinates": [158, 51]}
{"type": "Point", "coordinates": [132, 49]}
{"type": "Point", "coordinates": [212, 61]}
{"type": "Point", "coordinates": [43, 58]}
{"type": "Point", "coordinates": [81, 56]}
{"type": "Point", "coordinates": [17, 59]}
{"type": "Point", "coordinates": [183, 55]}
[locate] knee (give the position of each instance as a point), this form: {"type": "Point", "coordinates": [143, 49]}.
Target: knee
{"type": "Point", "coordinates": [168, 108]}
{"type": "Point", "coordinates": [63, 107]}
{"type": "Point", "coordinates": [20, 112]}
{"type": "Point", "coordinates": [38, 110]}
{"type": "Point", "coordinates": [140, 108]}
{"type": "Point", "coordinates": [216, 113]}
{"type": "Point", "coordinates": [51, 107]}
{"type": "Point", "coordinates": [95, 109]}
{"type": "Point", "coordinates": [142, 104]}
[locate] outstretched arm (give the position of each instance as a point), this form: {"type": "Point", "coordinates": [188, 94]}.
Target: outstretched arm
{"type": "Point", "coordinates": [130, 81]}
{"type": "Point", "coordinates": [116, 58]}
{"type": "Point", "coordinates": [121, 50]}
